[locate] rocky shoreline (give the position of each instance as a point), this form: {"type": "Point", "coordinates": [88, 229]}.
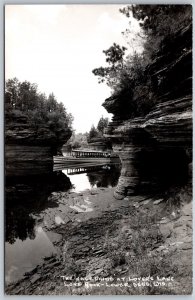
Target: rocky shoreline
{"type": "Point", "coordinates": [141, 245]}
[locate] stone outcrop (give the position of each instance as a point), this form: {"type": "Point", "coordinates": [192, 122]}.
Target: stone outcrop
{"type": "Point", "coordinates": [162, 139]}
{"type": "Point", "coordinates": [29, 150]}
{"type": "Point", "coordinates": [99, 144]}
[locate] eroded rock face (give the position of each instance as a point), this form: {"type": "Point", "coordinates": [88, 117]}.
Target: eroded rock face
{"type": "Point", "coordinates": [29, 151]}
{"type": "Point", "coordinates": [99, 144]}
{"type": "Point", "coordinates": [165, 133]}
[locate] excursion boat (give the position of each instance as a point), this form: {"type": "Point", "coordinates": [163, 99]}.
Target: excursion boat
{"type": "Point", "coordinates": [70, 159]}
{"type": "Point", "coordinates": [83, 156]}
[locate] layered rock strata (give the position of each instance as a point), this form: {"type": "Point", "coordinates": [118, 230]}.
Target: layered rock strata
{"type": "Point", "coordinates": [29, 151]}
{"type": "Point", "coordinates": [162, 139]}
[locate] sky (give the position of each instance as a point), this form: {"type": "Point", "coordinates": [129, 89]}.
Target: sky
{"type": "Point", "coordinates": [58, 46]}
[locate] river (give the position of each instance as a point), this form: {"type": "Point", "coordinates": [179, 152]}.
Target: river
{"type": "Point", "coordinates": [28, 228]}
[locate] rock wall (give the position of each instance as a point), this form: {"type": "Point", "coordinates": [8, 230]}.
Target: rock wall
{"type": "Point", "coordinates": [29, 151]}
{"type": "Point", "coordinates": [100, 144]}
{"type": "Point", "coordinates": [24, 160]}
{"type": "Point", "coordinates": [161, 140]}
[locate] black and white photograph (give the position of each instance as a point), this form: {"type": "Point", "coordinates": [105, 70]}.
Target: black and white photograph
{"type": "Point", "coordinates": [98, 149]}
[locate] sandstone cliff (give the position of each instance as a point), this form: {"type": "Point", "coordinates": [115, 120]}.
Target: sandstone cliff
{"type": "Point", "coordinates": [29, 150]}
{"type": "Point", "coordinates": [100, 144]}
{"type": "Point", "coordinates": [161, 141]}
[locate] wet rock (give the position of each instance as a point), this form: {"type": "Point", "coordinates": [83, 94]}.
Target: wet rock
{"type": "Point", "coordinates": [166, 231]}
{"type": "Point", "coordinates": [55, 194]}
{"type": "Point", "coordinates": [94, 192]}
{"type": "Point", "coordinates": [189, 224]}
{"type": "Point", "coordinates": [51, 258]}
{"type": "Point", "coordinates": [178, 223]}
{"type": "Point", "coordinates": [176, 244]}
{"type": "Point", "coordinates": [127, 230]}
{"type": "Point", "coordinates": [186, 246]}
{"type": "Point", "coordinates": [164, 220]}
{"type": "Point", "coordinates": [97, 236]}
{"type": "Point", "coordinates": [187, 239]}
{"type": "Point", "coordinates": [37, 218]}
{"type": "Point", "coordinates": [52, 287]}
{"type": "Point", "coordinates": [161, 248]}
{"type": "Point", "coordinates": [75, 238]}
{"type": "Point", "coordinates": [138, 198]}
{"type": "Point", "coordinates": [145, 202]}
{"type": "Point", "coordinates": [98, 271]}
{"type": "Point", "coordinates": [19, 291]}
{"type": "Point", "coordinates": [173, 214]}
{"type": "Point", "coordinates": [35, 278]}
{"type": "Point", "coordinates": [157, 201]}
{"type": "Point", "coordinates": [118, 196]}
{"type": "Point", "coordinates": [86, 238]}
{"type": "Point", "coordinates": [98, 252]}
{"type": "Point", "coordinates": [85, 249]}
{"type": "Point", "coordinates": [54, 264]}
{"type": "Point", "coordinates": [98, 266]}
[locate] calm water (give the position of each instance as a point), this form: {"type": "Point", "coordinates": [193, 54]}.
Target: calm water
{"type": "Point", "coordinates": [31, 213]}
{"type": "Point", "coordinates": [28, 199]}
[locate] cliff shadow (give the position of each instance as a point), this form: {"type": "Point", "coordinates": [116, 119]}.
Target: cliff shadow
{"type": "Point", "coordinates": [162, 168]}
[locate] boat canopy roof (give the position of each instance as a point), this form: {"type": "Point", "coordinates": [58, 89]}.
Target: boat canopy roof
{"type": "Point", "coordinates": [87, 150]}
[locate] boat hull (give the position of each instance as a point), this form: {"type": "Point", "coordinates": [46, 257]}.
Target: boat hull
{"type": "Point", "coordinates": [81, 160]}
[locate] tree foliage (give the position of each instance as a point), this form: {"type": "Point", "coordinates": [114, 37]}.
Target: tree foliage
{"type": "Point", "coordinates": [78, 140]}
{"type": "Point", "coordinates": [126, 72]}
{"type": "Point", "coordinates": [102, 124]}
{"type": "Point", "coordinates": [114, 58]}
{"type": "Point", "coordinates": [160, 20]}
{"type": "Point", "coordinates": [159, 23]}
{"type": "Point", "coordinates": [82, 140]}
{"type": "Point", "coordinates": [24, 99]}
{"type": "Point", "coordinates": [93, 133]}
{"type": "Point", "coordinates": [98, 132]}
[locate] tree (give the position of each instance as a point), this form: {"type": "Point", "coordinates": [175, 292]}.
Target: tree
{"type": "Point", "coordinates": [159, 23]}
{"type": "Point", "coordinates": [12, 87]}
{"type": "Point", "coordinates": [160, 19]}
{"type": "Point", "coordinates": [23, 99]}
{"type": "Point", "coordinates": [129, 76]}
{"type": "Point", "coordinates": [51, 103]}
{"type": "Point", "coordinates": [24, 94]}
{"type": "Point", "coordinates": [92, 133]}
{"type": "Point", "coordinates": [27, 96]}
{"type": "Point", "coordinates": [102, 124]}
{"type": "Point", "coordinates": [78, 140]}
{"type": "Point", "coordinates": [114, 58]}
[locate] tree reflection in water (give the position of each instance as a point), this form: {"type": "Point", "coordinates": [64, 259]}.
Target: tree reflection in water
{"type": "Point", "coordinates": [106, 176]}
{"type": "Point", "coordinates": [27, 195]}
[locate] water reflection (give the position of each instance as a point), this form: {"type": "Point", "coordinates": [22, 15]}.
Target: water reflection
{"type": "Point", "coordinates": [106, 177]}
{"type": "Point", "coordinates": [27, 240]}
{"type": "Point", "coordinates": [84, 177]}
{"type": "Point", "coordinates": [79, 182]}
{"type": "Point", "coordinates": [24, 255]}
{"type": "Point", "coordinates": [27, 195]}
{"type": "Point", "coordinates": [19, 224]}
